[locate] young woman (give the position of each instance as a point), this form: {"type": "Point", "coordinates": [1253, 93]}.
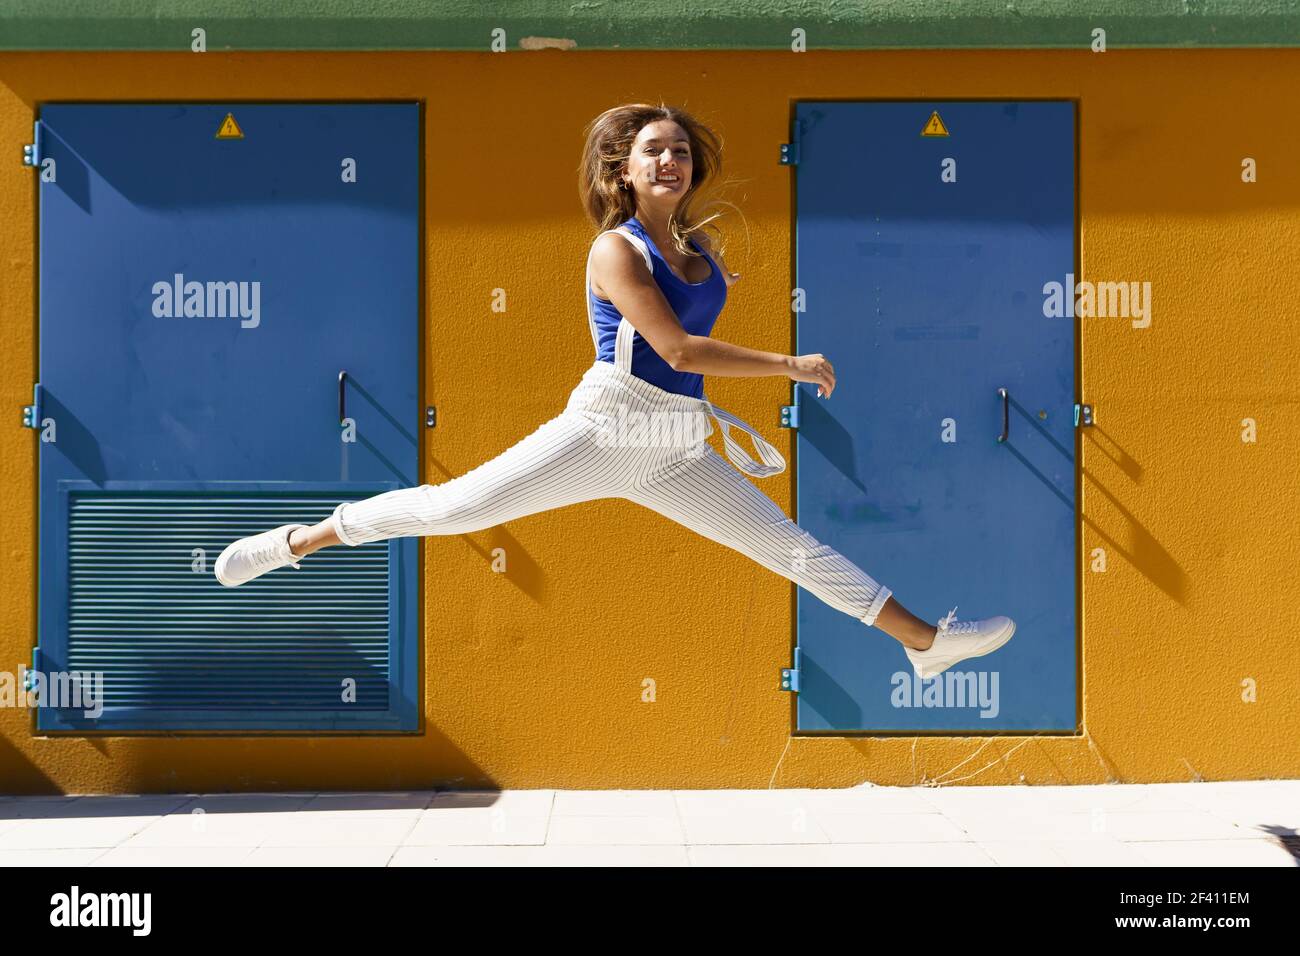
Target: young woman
{"type": "Point", "coordinates": [635, 426]}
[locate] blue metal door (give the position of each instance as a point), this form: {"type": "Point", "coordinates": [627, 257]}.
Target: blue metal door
{"type": "Point", "coordinates": [207, 272]}
{"type": "Point", "coordinates": [924, 261]}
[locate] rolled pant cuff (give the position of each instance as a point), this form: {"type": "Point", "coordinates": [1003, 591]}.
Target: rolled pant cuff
{"type": "Point", "coordinates": [336, 522]}
{"type": "Point", "coordinates": [876, 605]}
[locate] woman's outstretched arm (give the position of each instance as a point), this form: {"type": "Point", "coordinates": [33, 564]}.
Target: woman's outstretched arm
{"type": "Point", "coordinates": [619, 273]}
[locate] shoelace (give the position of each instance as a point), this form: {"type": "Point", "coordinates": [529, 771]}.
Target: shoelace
{"type": "Point", "coordinates": [267, 553]}
{"type": "Point", "coordinates": [947, 624]}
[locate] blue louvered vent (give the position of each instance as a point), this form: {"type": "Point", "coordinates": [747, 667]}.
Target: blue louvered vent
{"type": "Point", "coordinates": [169, 637]}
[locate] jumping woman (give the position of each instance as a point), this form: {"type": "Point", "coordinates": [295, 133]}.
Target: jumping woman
{"type": "Point", "coordinates": [636, 424]}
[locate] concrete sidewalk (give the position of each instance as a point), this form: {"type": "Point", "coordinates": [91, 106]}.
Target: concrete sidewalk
{"type": "Point", "coordinates": [1185, 824]}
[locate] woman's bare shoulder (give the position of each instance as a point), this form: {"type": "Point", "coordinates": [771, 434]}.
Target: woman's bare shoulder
{"type": "Point", "coordinates": [614, 250]}
{"type": "Point", "coordinates": [614, 259]}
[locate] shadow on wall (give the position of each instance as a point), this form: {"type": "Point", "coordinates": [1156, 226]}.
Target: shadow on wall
{"type": "Point", "coordinates": [18, 775]}
{"type": "Point", "coordinates": [319, 763]}
{"type": "Point", "coordinates": [199, 764]}
{"type": "Point", "coordinates": [1140, 548]}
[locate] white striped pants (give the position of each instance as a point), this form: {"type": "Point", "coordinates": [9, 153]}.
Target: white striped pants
{"type": "Point", "coordinates": [621, 437]}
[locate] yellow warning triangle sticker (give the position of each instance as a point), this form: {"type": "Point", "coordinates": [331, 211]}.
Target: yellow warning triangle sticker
{"type": "Point", "coordinates": [230, 129]}
{"type": "Point", "coordinates": [934, 126]}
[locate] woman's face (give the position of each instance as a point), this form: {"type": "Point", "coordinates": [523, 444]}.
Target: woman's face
{"type": "Point", "coordinates": [659, 166]}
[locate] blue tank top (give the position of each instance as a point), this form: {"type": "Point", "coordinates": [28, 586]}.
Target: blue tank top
{"type": "Point", "coordinates": [696, 304]}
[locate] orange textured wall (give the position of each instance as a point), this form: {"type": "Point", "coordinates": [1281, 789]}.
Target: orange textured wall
{"type": "Point", "coordinates": [533, 678]}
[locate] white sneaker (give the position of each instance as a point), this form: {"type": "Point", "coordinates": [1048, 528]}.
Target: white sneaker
{"type": "Point", "coordinates": [958, 640]}
{"type": "Point", "coordinates": [253, 556]}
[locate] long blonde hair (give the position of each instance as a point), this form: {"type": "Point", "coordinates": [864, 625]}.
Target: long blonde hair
{"type": "Point", "coordinates": [608, 146]}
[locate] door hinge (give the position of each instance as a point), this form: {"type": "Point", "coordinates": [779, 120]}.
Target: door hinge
{"type": "Point", "coordinates": [32, 412]}
{"type": "Point", "coordinates": [29, 677]}
{"type": "Point", "coordinates": [790, 675]}
{"type": "Point", "coordinates": [790, 150]}
{"type": "Point", "coordinates": [32, 150]}
{"type": "Point", "coordinates": [790, 416]}
{"type": "Point", "coordinates": [1082, 415]}
{"type": "Point", "coordinates": [430, 416]}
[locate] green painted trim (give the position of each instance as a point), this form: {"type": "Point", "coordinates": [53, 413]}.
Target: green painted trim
{"type": "Point", "coordinates": [630, 25]}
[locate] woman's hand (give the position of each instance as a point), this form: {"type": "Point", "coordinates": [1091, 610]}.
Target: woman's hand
{"type": "Point", "coordinates": [813, 368]}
